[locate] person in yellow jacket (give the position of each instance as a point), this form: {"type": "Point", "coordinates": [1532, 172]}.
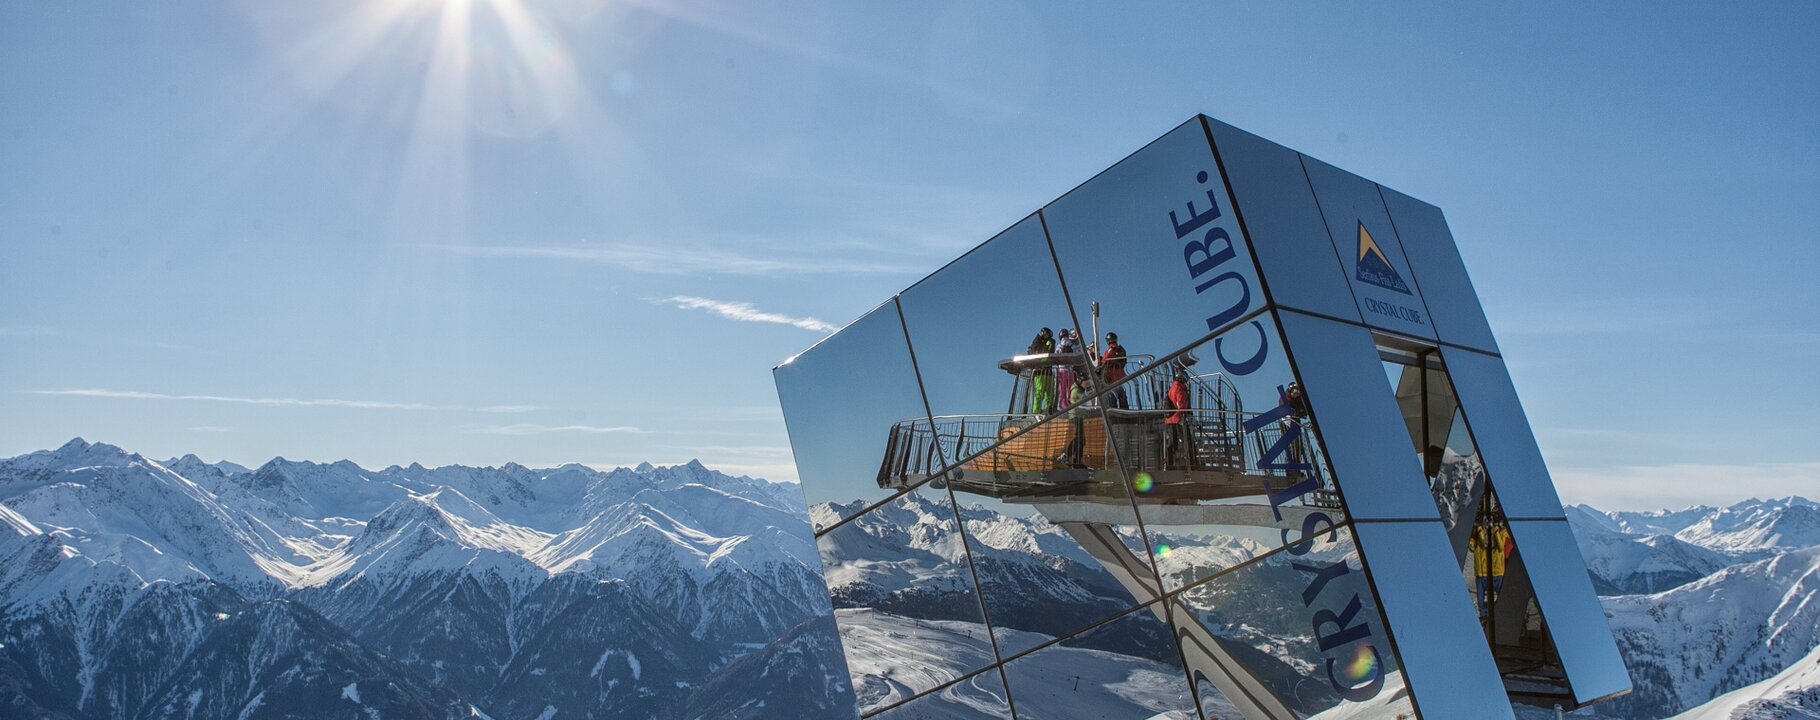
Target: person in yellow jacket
{"type": "Point", "coordinates": [1490, 543]}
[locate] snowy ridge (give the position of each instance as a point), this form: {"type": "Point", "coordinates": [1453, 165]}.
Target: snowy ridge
{"type": "Point", "coordinates": [1730, 629]}
{"type": "Point", "coordinates": [193, 588]}
{"type": "Point", "coordinates": [1788, 695]}
{"type": "Point", "coordinates": [111, 505]}
{"type": "Point", "coordinates": [151, 588]}
{"type": "Point", "coordinates": [1748, 528]}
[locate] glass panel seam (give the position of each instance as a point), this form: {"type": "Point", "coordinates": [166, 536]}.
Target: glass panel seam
{"type": "Point", "coordinates": [1238, 214]}
{"type": "Point", "coordinates": [917, 373]}
{"type": "Point", "coordinates": [1094, 379]}
{"type": "Point", "coordinates": [1414, 284]}
{"type": "Point", "coordinates": [973, 573]}
{"type": "Point", "coordinates": [1302, 160]}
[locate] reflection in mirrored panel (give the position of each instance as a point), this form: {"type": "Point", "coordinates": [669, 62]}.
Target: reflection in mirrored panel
{"type": "Point", "coordinates": [1292, 634]}
{"type": "Point", "coordinates": [979, 697]}
{"type": "Point", "coordinates": [842, 400]}
{"type": "Point", "coordinates": [1096, 417]}
{"type": "Point", "coordinates": [1154, 242]}
{"type": "Point", "coordinates": [1055, 539]}
{"type": "Point", "coordinates": [1126, 668]}
{"type": "Point", "coordinates": [995, 341]}
{"type": "Point", "coordinates": [1564, 595]}
{"type": "Point", "coordinates": [1284, 223]}
{"type": "Point", "coordinates": [1435, 260]}
{"type": "Point", "coordinates": [904, 598]}
{"type": "Point", "coordinates": [1437, 433]}
{"type": "Point", "coordinates": [1369, 251]}
{"type": "Point", "coordinates": [1497, 574]}
{"type": "Point", "coordinates": [1360, 426]}
{"type": "Point", "coordinates": [1438, 637]}
{"type": "Point", "coordinates": [1498, 425]}
{"type": "Point", "coordinates": [1056, 548]}
{"type": "Point", "coordinates": [1225, 459]}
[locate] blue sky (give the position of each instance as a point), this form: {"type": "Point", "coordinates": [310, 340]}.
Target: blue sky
{"type": "Point", "coordinates": [479, 231]}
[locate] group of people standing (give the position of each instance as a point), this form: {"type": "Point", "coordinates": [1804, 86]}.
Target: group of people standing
{"type": "Point", "coordinates": [1062, 385]}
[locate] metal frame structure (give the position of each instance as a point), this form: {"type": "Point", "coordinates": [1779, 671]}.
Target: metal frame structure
{"type": "Point", "coordinates": [1347, 412]}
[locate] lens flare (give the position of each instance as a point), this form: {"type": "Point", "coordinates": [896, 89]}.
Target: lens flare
{"type": "Point", "coordinates": [1142, 482]}
{"type": "Point", "coordinates": [1361, 666]}
{"type": "Point", "coordinates": [1162, 550]}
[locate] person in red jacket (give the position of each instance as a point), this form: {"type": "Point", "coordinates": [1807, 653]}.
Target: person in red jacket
{"type": "Point", "coordinates": [1179, 444]}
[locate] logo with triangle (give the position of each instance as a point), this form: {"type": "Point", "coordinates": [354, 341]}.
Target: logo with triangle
{"type": "Point", "coordinates": [1376, 269]}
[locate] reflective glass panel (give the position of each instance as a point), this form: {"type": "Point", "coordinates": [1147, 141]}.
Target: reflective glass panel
{"type": "Point", "coordinates": [1155, 243]}
{"type": "Point", "coordinates": [1502, 432]}
{"type": "Point", "coordinates": [1127, 668]}
{"type": "Point", "coordinates": [1050, 565]}
{"type": "Point", "coordinates": [1369, 251]}
{"type": "Point", "coordinates": [904, 598]}
{"type": "Point", "coordinates": [1054, 536]}
{"type": "Point", "coordinates": [1438, 638]}
{"type": "Point", "coordinates": [1292, 634]}
{"type": "Point", "coordinates": [980, 697]}
{"type": "Point", "coordinates": [1224, 456]}
{"type": "Point", "coordinates": [1435, 260]}
{"type": "Point", "coordinates": [1437, 432]}
{"type": "Point", "coordinates": [1284, 223]}
{"type": "Point", "coordinates": [853, 408]}
{"type": "Point", "coordinates": [1358, 421]}
{"type": "Point", "coordinates": [995, 341]}
{"type": "Point", "coordinates": [1575, 621]}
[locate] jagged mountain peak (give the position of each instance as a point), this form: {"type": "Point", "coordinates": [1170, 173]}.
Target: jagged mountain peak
{"type": "Point", "coordinates": [76, 453]}
{"type": "Point", "coordinates": [452, 516]}
{"type": "Point", "coordinates": [1771, 503]}
{"type": "Point", "coordinates": [145, 517]}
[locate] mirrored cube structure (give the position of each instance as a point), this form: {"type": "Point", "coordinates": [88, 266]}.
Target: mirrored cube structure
{"type": "Point", "coordinates": [1221, 433]}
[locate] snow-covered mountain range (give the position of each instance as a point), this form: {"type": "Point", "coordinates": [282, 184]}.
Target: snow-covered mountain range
{"type": "Point", "coordinates": [1707, 600]}
{"type": "Point", "coordinates": [131, 587]}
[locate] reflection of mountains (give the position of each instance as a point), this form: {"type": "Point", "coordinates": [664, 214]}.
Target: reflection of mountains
{"type": "Point", "coordinates": [1456, 487]}
{"type": "Point", "coordinates": [1038, 579]}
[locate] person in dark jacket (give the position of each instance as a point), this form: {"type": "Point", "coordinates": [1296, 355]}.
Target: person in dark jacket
{"type": "Point", "coordinates": [1297, 402]}
{"type": "Point", "coordinates": [1042, 378]}
{"type": "Point", "coordinates": [1112, 370]}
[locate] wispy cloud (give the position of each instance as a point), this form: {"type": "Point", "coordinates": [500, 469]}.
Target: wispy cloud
{"type": "Point", "coordinates": [745, 312]}
{"type": "Point", "coordinates": [676, 260]}
{"type": "Point", "coordinates": [1674, 486]}
{"type": "Point", "coordinates": [531, 429]}
{"type": "Point", "coordinates": [509, 409]}
{"type": "Point", "coordinates": [280, 401]}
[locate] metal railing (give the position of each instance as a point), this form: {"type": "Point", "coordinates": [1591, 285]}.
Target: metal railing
{"type": "Point", "coordinates": [1136, 437]}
